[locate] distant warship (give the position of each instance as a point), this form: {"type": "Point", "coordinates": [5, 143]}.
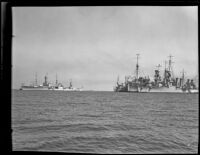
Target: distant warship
{"type": "Point", "coordinates": [166, 84]}
{"type": "Point", "coordinates": [59, 86]}
{"type": "Point", "coordinates": [47, 86]}
{"type": "Point", "coordinates": [35, 86]}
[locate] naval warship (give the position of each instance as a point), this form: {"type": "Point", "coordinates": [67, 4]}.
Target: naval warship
{"type": "Point", "coordinates": [60, 86]}
{"type": "Point", "coordinates": [45, 86]}
{"type": "Point", "coordinates": [168, 83]}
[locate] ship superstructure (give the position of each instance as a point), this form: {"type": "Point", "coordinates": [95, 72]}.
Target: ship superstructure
{"type": "Point", "coordinates": [167, 82]}
{"type": "Point", "coordinates": [170, 83]}
{"type": "Point", "coordinates": [138, 83]}
{"type": "Point", "coordinates": [123, 87]}
{"type": "Point", "coordinates": [135, 83]}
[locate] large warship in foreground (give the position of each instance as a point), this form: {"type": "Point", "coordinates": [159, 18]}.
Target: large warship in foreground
{"type": "Point", "coordinates": [168, 83]}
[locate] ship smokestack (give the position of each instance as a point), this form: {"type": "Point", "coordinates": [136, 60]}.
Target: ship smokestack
{"type": "Point", "coordinates": [181, 82]}
{"type": "Point", "coordinates": [177, 85]}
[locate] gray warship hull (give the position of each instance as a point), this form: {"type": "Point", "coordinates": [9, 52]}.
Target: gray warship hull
{"type": "Point", "coordinates": [33, 88]}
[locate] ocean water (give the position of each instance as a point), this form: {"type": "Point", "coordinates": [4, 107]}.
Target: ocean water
{"type": "Point", "coordinates": [105, 122]}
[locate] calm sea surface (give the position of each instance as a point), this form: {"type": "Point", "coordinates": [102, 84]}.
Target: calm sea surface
{"type": "Point", "coordinates": [105, 122]}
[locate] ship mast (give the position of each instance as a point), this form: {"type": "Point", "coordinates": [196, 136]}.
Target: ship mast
{"type": "Point", "coordinates": [36, 78]}
{"type": "Point", "coordinates": [183, 76]}
{"type": "Point", "coordinates": [165, 69]}
{"type": "Point", "coordinates": [56, 80]}
{"type": "Point", "coordinates": [170, 64]}
{"type": "Point", "coordinates": [137, 66]}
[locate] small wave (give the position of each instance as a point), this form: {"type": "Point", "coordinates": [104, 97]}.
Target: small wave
{"type": "Point", "coordinates": [29, 122]}
{"type": "Point", "coordinates": [76, 103]}
{"type": "Point", "coordinates": [89, 115]}
{"type": "Point", "coordinates": [59, 128]}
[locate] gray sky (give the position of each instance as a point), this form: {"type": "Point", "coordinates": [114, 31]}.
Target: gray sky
{"type": "Point", "coordinates": [93, 45]}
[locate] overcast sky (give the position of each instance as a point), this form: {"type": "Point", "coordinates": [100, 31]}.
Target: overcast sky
{"type": "Point", "coordinates": [93, 45]}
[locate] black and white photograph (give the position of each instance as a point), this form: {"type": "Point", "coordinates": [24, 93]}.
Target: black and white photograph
{"type": "Point", "coordinates": [105, 79]}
